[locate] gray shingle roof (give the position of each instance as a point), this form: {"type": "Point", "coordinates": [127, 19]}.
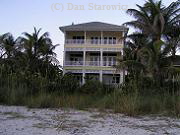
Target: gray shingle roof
{"type": "Point", "coordinates": [93, 26]}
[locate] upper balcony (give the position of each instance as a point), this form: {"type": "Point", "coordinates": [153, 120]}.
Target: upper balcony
{"type": "Point", "coordinates": [93, 39]}
{"type": "Point", "coordinates": [94, 36]}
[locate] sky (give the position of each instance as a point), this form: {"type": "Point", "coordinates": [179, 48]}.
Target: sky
{"type": "Point", "coordinates": [18, 16]}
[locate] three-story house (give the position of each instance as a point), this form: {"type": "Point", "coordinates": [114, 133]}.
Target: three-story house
{"type": "Point", "coordinates": [91, 50]}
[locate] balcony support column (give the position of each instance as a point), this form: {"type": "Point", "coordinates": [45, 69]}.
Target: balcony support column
{"type": "Point", "coordinates": [85, 37]}
{"type": "Point", "coordinates": [83, 77]}
{"type": "Point", "coordinates": [84, 64]}
{"type": "Point", "coordinates": [100, 76]}
{"type": "Point", "coordinates": [101, 37]}
{"type": "Point", "coordinates": [122, 77]}
{"type": "Point", "coordinates": [101, 57]}
{"type": "Point", "coordinates": [122, 41]}
{"type": "Point", "coordinates": [84, 58]}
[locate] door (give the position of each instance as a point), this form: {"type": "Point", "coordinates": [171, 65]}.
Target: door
{"type": "Point", "coordinates": [109, 61]}
{"type": "Point", "coordinates": [94, 60]}
{"type": "Point", "coordinates": [76, 61]}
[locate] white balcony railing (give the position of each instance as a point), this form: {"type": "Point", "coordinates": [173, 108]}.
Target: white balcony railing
{"type": "Point", "coordinates": [90, 63]}
{"type": "Point", "coordinates": [74, 41]}
{"type": "Point", "coordinates": [94, 41]}
{"type": "Point", "coordinates": [74, 63]}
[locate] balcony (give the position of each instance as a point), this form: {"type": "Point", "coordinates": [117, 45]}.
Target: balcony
{"type": "Point", "coordinates": [73, 63]}
{"type": "Point", "coordinates": [93, 41]}
{"type": "Point", "coordinates": [90, 63]}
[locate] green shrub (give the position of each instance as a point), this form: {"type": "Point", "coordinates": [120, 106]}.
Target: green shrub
{"type": "Point", "coordinates": [92, 87]}
{"type": "Point", "coordinates": [68, 83]}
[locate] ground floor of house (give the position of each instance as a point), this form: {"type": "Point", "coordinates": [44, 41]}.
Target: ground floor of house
{"type": "Point", "coordinates": [106, 78]}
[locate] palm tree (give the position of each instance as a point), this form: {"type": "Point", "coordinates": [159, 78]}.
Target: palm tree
{"type": "Point", "coordinates": [130, 61]}
{"type": "Point", "coordinates": [172, 39]}
{"type": "Point", "coordinates": [38, 46]}
{"type": "Point", "coordinates": [153, 19]}
{"type": "Point", "coordinates": [38, 49]}
{"type": "Point", "coordinates": [155, 22]}
{"type": "Point", "coordinates": [33, 42]}
{"type": "Point", "coordinates": [172, 29]}
{"type": "Point", "coordinates": [8, 45]}
{"type": "Point", "coordinates": [48, 53]}
{"type": "Point", "coordinates": [172, 17]}
{"type": "Point", "coordinates": [145, 59]}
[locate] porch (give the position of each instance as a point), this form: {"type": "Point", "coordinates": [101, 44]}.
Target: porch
{"type": "Point", "coordinates": [94, 37]}
{"type": "Point", "coordinates": [91, 58]}
{"type": "Point", "coordinates": [108, 79]}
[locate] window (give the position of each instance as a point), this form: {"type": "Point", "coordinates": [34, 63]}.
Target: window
{"type": "Point", "coordinates": [78, 39]}
{"type": "Point", "coordinates": [114, 61]}
{"type": "Point", "coordinates": [94, 60]}
{"type": "Point", "coordinates": [92, 40]}
{"type": "Point", "coordinates": [110, 40]}
{"type": "Point", "coordinates": [110, 61]}
{"type": "Point", "coordinates": [105, 40]}
{"type": "Point", "coordinates": [100, 41]}
{"type": "Point", "coordinates": [114, 40]}
{"type": "Point", "coordinates": [74, 39]}
{"type": "Point", "coordinates": [74, 60]}
{"type": "Point", "coordinates": [95, 40]}
{"type": "Point", "coordinates": [116, 79]}
{"type": "Point", "coordinates": [104, 61]}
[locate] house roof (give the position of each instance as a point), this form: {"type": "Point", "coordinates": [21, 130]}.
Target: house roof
{"type": "Point", "coordinates": [94, 26]}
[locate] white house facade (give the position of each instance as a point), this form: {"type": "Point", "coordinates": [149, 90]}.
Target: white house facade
{"type": "Point", "coordinates": [91, 50]}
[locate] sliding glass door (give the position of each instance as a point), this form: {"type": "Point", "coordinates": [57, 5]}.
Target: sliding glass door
{"type": "Point", "coordinates": [95, 60]}
{"type": "Point", "coordinates": [109, 60]}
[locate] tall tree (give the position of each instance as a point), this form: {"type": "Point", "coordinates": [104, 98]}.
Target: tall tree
{"type": "Point", "coordinates": [8, 45]}
{"type": "Point", "coordinates": [38, 49]}
{"type": "Point", "coordinates": [148, 51]}
{"type": "Point", "coordinates": [154, 19]}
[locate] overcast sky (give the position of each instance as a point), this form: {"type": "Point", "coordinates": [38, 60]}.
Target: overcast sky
{"type": "Point", "coordinates": [18, 16]}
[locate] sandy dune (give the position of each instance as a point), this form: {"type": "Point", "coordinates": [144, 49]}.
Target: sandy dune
{"type": "Point", "coordinates": [24, 121]}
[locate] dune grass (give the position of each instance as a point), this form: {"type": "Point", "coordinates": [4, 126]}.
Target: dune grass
{"type": "Point", "coordinates": [128, 100]}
